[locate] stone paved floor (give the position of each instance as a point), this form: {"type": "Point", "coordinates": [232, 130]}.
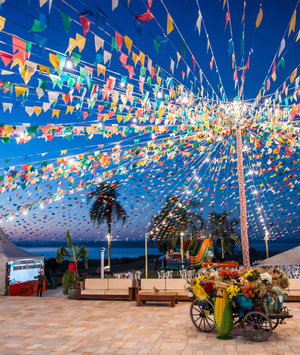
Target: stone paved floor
{"type": "Point", "coordinates": [55, 325]}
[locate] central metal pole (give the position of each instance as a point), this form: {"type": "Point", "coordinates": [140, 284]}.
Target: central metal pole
{"type": "Point", "coordinates": [109, 249]}
{"type": "Point", "coordinates": [243, 206]}
{"type": "Point", "coordinates": [266, 241]}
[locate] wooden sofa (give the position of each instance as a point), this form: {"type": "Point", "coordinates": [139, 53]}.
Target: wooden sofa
{"type": "Point", "coordinates": [293, 292]}
{"type": "Point", "coordinates": [101, 289]}
{"type": "Point", "coordinates": [168, 285]}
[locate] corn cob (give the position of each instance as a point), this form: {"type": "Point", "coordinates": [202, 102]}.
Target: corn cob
{"type": "Point", "coordinates": [223, 314]}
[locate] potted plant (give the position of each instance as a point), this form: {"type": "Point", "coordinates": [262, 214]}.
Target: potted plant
{"type": "Point", "coordinates": [70, 279]}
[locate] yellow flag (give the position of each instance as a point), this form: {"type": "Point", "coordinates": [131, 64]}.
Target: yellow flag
{"type": "Point", "coordinates": [8, 129]}
{"type": "Point", "coordinates": [293, 76]}
{"type": "Point", "coordinates": [259, 17]}
{"type": "Point", "coordinates": [62, 152]}
{"type": "Point", "coordinates": [18, 62]}
{"type": "Point", "coordinates": [128, 43]}
{"type": "Point", "coordinates": [170, 27]}
{"type": "Point", "coordinates": [286, 91]}
{"type": "Point", "coordinates": [20, 90]}
{"type": "Point", "coordinates": [72, 45]}
{"type": "Point", "coordinates": [298, 37]}
{"type": "Point", "coordinates": [55, 113]}
{"type": "Point", "coordinates": [259, 96]}
{"type": "Point", "coordinates": [2, 22]}
{"type": "Point", "coordinates": [233, 59]}
{"type": "Point", "coordinates": [207, 44]}
{"type": "Point", "coordinates": [54, 60]}
{"type": "Point", "coordinates": [44, 68]}
{"type": "Point", "coordinates": [158, 79]}
{"type": "Point", "coordinates": [292, 23]}
{"type": "Point", "coordinates": [101, 69]}
{"type": "Point", "coordinates": [224, 2]}
{"type": "Point", "coordinates": [26, 75]}
{"type": "Point", "coordinates": [37, 110]}
{"type": "Point", "coordinates": [119, 118]}
{"type": "Point", "coordinates": [142, 58]}
{"type": "Point", "coordinates": [70, 109]}
{"type": "Point", "coordinates": [178, 59]}
{"type": "Point", "coordinates": [90, 130]}
{"type": "Point", "coordinates": [274, 76]}
{"type": "Point", "coordinates": [105, 117]}
{"type": "Point", "coordinates": [134, 58]}
{"type": "Point", "coordinates": [80, 42]}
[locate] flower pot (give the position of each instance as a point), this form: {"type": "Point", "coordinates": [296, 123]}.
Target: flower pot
{"type": "Point", "coordinates": [72, 294]}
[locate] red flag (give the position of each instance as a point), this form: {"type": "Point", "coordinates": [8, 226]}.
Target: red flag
{"type": "Point", "coordinates": [123, 59]}
{"type": "Point", "coordinates": [130, 70]}
{"type": "Point", "coordinates": [248, 62]}
{"type": "Point", "coordinates": [152, 72]}
{"type": "Point", "coordinates": [119, 40]}
{"type": "Point", "coordinates": [227, 18]}
{"type": "Point", "coordinates": [235, 76]}
{"type": "Point", "coordinates": [6, 58]}
{"type": "Point", "coordinates": [147, 16]}
{"type": "Point", "coordinates": [183, 74]}
{"type": "Point", "coordinates": [268, 84]}
{"type": "Point", "coordinates": [85, 23]}
{"type": "Point", "coordinates": [194, 62]}
{"type": "Point", "coordinates": [211, 62]}
{"type": "Point", "coordinates": [284, 86]}
{"type": "Point", "coordinates": [274, 67]}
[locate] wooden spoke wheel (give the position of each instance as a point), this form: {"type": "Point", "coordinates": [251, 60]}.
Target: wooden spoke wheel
{"type": "Point", "coordinates": [202, 315]}
{"type": "Point", "coordinates": [257, 326]}
{"type": "Point", "coordinates": [275, 323]}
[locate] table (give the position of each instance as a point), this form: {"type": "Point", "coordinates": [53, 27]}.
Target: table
{"type": "Point", "coordinates": [161, 296]}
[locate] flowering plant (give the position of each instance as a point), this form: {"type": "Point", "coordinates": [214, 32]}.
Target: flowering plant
{"type": "Point", "coordinates": [233, 290]}
{"type": "Point", "coordinates": [72, 266]}
{"type": "Point", "coordinates": [266, 277]}
{"type": "Point", "coordinates": [250, 291]}
{"type": "Point", "coordinates": [210, 288]}
{"type": "Point", "coordinates": [252, 275]}
{"type": "Point", "coordinates": [225, 274]}
{"type": "Point", "coordinates": [235, 274]}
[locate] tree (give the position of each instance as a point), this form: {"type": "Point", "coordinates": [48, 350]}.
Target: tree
{"type": "Point", "coordinates": [106, 208]}
{"type": "Point", "coordinates": [175, 217]}
{"type": "Point", "coordinates": [222, 231]}
{"type": "Point", "coordinates": [71, 277]}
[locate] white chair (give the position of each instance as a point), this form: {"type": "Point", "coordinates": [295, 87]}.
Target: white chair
{"type": "Point", "coordinates": [182, 274]}
{"type": "Point", "coordinates": [159, 275]}
{"type": "Point", "coordinates": [118, 276]}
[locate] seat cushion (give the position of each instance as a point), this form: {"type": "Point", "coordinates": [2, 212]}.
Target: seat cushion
{"type": "Point", "coordinates": [294, 284]}
{"type": "Point", "coordinates": [95, 284]}
{"type": "Point", "coordinates": [180, 292]}
{"type": "Point", "coordinates": [120, 284]}
{"type": "Point", "coordinates": [92, 292]}
{"type": "Point", "coordinates": [148, 284]}
{"type": "Point", "coordinates": [117, 292]}
{"type": "Point", "coordinates": [176, 284]}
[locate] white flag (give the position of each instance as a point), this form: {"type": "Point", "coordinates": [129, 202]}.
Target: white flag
{"type": "Point", "coordinates": [198, 23]}
{"type": "Point", "coordinates": [149, 65]}
{"type": "Point", "coordinates": [201, 78]}
{"type": "Point", "coordinates": [114, 4]}
{"type": "Point", "coordinates": [172, 66]}
{"type": "Point", "coordinates": [31, 67]}
{"type": "Point", "coordinates": [52, 96]}
{"type": "Point", "coordinates": [187, 71]}
{"type": "Point", "coordinates": [43, 2]}
{"type": "Point", "coordinates": [282, 45]}
{"type": "Point", "coordinates": [46, 106]}
{"type": "Point", "coordinates": [6, 106]}
{"type": "Point", "coordinates": [40, 92]}
{"type": "Point", "coordinates": [297, 83]}
{"type": "Point", "coordinates": [29, 110]}
{"type": "Point", "coordinates": [107, 56]}
{"type": "Point", "coordinates": [99, 43]}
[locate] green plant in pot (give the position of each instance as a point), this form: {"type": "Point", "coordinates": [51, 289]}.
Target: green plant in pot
{"type": "Point", "coordinates": [70, 279]}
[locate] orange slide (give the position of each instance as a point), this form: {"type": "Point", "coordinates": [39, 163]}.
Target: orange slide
{"type": "Point", "coordinates": [197, 260]}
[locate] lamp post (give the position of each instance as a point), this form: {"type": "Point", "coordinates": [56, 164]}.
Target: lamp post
{"type": "Point", "coordinates": [266, 241]}
{"type": "Point", "coordinates": [146, 255]}
{"type": "Point", "coordinates": [181, 242]}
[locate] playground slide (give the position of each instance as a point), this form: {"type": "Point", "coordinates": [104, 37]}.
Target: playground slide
{"type": "Point", "coordinates": [198, 258]}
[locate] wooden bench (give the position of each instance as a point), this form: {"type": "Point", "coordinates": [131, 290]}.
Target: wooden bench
{"type": "Point", "coordinates": [161, 296]}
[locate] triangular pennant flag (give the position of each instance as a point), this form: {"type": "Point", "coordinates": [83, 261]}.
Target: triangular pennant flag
{"type": "Point", "coordinates": [128, 43]}
{"type": "Point", "coordinates": [198, 23]}
{"type": "Point", "coordinates": [169, 24]}
{"type": "Point", "coordinates": [115, 4]}
{"type": "Point", "coordinates": [85, 23]}
{"type": "Point", "coordinates": [292, 23]}
{"type": "Point", "coordinates": [259, 17]}
{"type": "Point", "coordinates": [67, 21]}
{"type": "Point", "coordinates": [99, 43]}
{"type": "Point", "coordinates": [37, 110]}
{"type": "Point", "coordinates": [107, 57]}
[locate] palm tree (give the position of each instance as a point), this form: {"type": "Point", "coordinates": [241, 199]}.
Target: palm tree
{"type": "Point", "coordinates": [175, 217]}
{"type": "Point", "coordinates": [106, 208]}
{"type": "Point", "coordinates": [222, 230]}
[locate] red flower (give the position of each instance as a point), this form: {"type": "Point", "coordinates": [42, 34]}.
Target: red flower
{"type": "Point", "coordinates": [209, 288]}
{"type": "Point", "coordinates": [72, 266]}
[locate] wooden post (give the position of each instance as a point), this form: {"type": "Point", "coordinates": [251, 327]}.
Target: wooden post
{"type": "Point", "coordinates": [181, 240]}
{"type": "Point", "coordinates": [243, 206]}
{"type": "Point", "coordinates": [146, 255]}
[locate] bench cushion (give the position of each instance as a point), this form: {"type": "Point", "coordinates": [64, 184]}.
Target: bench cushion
{"type": "Point", "coordinates": [120, 284]}
{"type": "Point", "coordinates": [92, 292]}
{"type": "Point", "coordinates": [117, 292]}
{"type": "Point", "coordinates": [294, 284]}
{"type": "Point", "coordinates": [175, 284]}
{"type": "Point", "coordinates": [95, 284]}
{"type": "Point", "coordinates": [148, 284]}
{"type": "Point", "coordinates": [180, 292]}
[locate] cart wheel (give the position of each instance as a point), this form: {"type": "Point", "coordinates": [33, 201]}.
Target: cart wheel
{"type": "Point", "coordinates": [257, 326]}
{"type": "Point", "coordinates": [236, 318]}
{"type": "Point", "coordinates": [275, 323]}
{"type": "Point", "coordinates": [202, 315]}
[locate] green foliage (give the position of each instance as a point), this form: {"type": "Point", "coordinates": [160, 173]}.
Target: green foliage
{"type": "Point", "coordinates": [222, 231]}
{"type": "Point", "coordinates": [176, 217]}
{"type": "Point", "coordinates": [71, 279]}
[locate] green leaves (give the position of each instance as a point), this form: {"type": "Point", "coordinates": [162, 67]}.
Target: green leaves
{"type": "Point", "coordinates": [61, 252]}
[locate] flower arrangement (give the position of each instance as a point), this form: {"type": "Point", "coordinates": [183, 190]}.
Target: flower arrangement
{"type": "Point", "coordinates": [225, 274]}
{"type": "Point", "coordinates": [266, 277]}
{"type": "Point", "coordinates": [252, 275]}
{"type": "Point", "coordinates": [233, 291]}
{"type": "Point", "coordinates": [250, 291]}
{"type": "Point", "coordinates": [210, 288]}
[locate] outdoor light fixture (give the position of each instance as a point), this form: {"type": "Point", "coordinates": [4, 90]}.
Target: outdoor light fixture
{"type": "Point", "coordinates": [69, 63]}
{"type": "Point", "coordinates": [185, 100]}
